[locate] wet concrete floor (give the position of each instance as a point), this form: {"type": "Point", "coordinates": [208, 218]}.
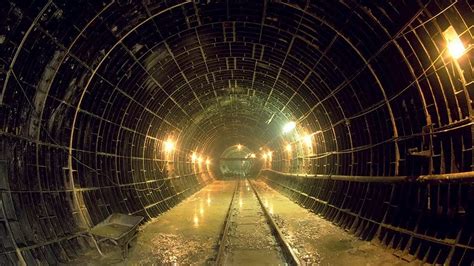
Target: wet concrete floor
{"type": "Point", "coordinates": [189, 234]}
{"type": "Point", "coordinates": [317, 241]}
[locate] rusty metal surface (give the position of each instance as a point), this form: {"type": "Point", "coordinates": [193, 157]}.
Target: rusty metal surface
{"type": "Point", "coordinates": [116, 226]}
{"type": "Point", "coordinates": [448, 177]}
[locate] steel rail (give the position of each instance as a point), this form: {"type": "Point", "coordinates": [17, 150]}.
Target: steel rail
{"type": "Point", "coordinates": [220, 258]}
{"type": "Point", "coordinates": [288, 252]}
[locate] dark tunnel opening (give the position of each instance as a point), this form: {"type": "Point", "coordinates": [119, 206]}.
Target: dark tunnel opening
{"type": "Point", "coordinates": [134, 106]}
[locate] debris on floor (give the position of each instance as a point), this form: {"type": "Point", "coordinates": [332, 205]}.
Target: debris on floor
{"type": "Point", "coordinates": [175, 238]}
{"type": "Point", "coordinates": [173, 248]}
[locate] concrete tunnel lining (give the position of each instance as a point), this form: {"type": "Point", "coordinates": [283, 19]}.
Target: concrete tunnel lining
{"type": "Point", "coordinates": [92, 90]}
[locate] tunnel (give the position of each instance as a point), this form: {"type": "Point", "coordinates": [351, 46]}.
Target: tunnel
{"type": "Point", "coordinates": [358, 112]}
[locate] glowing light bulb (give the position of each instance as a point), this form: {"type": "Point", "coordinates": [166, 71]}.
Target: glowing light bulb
{"type": "Point", "coordinates": [194, 157]}
{"type": "Point", "coordinates": [289, 127]}
{"type": "Point", "coordinates": [455, 46]}
{"type": "Point", "coordinates": [239, 147]}
{"type": "Point", "coordinates": [288, 148]}
{"type": "Point", "coordinates": [307, 140]}
{"type": "Point", "coordinates": [253, 155]}
{"type": "Point", "coordinates": [169, 145]}
{"type": "Point", "coordinates": [208, 161]}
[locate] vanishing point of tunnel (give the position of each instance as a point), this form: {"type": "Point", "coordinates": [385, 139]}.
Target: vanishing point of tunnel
{"type": "Point", "coordinates": [236, 132]}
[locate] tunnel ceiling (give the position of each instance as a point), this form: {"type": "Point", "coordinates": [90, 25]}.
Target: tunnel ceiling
{"type": "Point", "coordinates": [92, 90]}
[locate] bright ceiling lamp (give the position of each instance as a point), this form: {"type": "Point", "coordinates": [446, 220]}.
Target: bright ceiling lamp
{"type": "Point", "coordinates": [208, 161]}
{"type": "Point", "coordinates": [267, 155]}
{"type": "Point", "coordinates": [253, 155]}
{"type": "Point", "coordinates": [194, 157]}
{"type": "Point", "coordinates": [455, 46]}
{"type": "Point", "coordinates": [168, 145]}
{"type": "Point", "coordinates": [239, 147]}
{"type": "Point", "coordinates": [289, 148]}
{"type": "Point", "coordinates": [289, 127]}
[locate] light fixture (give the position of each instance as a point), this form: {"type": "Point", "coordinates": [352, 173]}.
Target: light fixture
{"type": "Point", "coordinates": [199, 159]}
{"type": "Point", "coordinates": [264, 156]}
{"type": "Point", "coordinates": [239, 147]}
{"type": "Point", "coordinates": [455, 46]}
{"type": "Point", "coordinates": [269, 154]}
{"type": "Point", "coordinates": [208, 161]}
{"type": "Point", "coordinates": [193, 157]}
{"type": "Point", "coordinates": [307, 139]}
{"type": "Point", "coordinates": [288, 148]}
{"type": "Point", "coordinates": [252, 155]}
{"type": "Point", "coordinates": [289, 127]}
{"type": "Point", "coordinates": [169, 145]}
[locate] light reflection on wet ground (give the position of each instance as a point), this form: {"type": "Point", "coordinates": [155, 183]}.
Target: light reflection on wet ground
{"type": "Point", "coordinates": [250, 241]}
{"type": "Point", "coordinates": [318, 241]}
{"type": "Point", "coordinates": [188, 234]}
{"type": "Point", "coordinates": [195, 225]}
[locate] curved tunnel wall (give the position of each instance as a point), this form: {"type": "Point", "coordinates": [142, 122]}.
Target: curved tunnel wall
{"type": "Point", "coordinates": [92, 90]}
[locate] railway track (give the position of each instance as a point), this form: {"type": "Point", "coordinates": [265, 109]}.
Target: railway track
{"type": "Point", "coordinates": [250, 235]}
